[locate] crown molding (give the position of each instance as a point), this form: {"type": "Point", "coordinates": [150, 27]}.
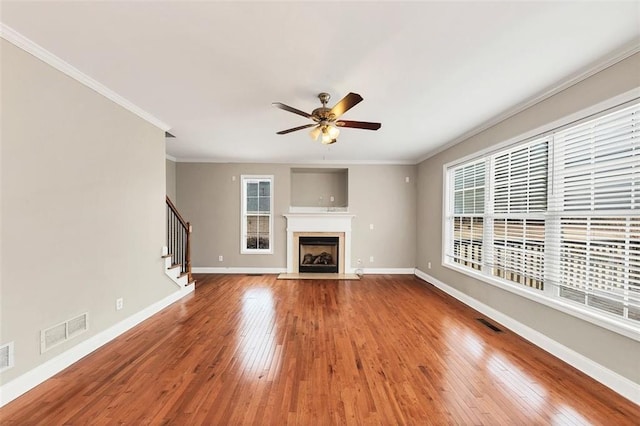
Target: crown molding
{"type": "Point", "coordinates": [17, 39]}
{"type": "Point", "coordinates": [575, 78]}
{"type": "Point", "coordinates": [300, 162]}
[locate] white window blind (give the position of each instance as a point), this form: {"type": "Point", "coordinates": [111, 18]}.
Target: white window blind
{"type": "Point", "coordinates": [597, 202]}
{"type": "Point", "coordinates": [469, 189]}
{"type": "Point", "coordinates": [597, 163]}
{"type": "Point", "coordinates": [520, 179]}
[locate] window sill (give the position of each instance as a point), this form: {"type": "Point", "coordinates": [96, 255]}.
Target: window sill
{"type": "Point", "coordinates": [611, 323]}
{"type": "Point", "coordinates": [256, 251]}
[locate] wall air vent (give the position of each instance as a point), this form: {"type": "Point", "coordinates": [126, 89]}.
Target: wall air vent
{"type": "Point", "coordinates": [77, 325]}
{"type": "Point", "coordinates": [6, 356]}
{"type": "Point", "coordinates": [60, 333]}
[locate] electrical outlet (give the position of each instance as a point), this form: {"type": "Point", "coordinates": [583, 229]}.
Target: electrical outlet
{"type": "Point", "coordinates": [406, 179]}
{"type": "Point", "coordinates": [220, 258]}
{"type": "Point", "coordinates": [359, 261]}
{"type": "Point", "coordinates": [332, 198]}
{"type": "Point", "coordinates": [371, 226]}
{"type": "Point", "coordinates": [119, 303]}
{"type": "Point", "coordinates": [428, 265]}
{"type": "Point", "coordinates": [371, 259]}
{"type": "Point", "coordinates": [233, 178]}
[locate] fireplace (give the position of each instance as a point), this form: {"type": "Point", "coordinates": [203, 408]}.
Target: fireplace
{"type": "Point", "coordinates": [318, 254]}
{"type": "Point", "coordinates": [328, 224]}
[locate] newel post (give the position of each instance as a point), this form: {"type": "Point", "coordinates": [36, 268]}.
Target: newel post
{"type": "Point", "coordinates": [188, 251]}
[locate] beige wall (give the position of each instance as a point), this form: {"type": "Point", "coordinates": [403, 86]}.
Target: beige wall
{"type": "Point", "coordinates": [607, 348]}
{"type": "Point", "coordinates": [171, 180]}
{"type": "Point", "coordinates": [209, 198]}
{"type": "Point", "coordinates": [380, 196]}
{"type": "Point", "coordinates": [82, 215]}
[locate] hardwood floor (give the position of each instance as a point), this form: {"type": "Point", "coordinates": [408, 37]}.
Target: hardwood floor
{"type": "Point", "coordinates": [256, 350]}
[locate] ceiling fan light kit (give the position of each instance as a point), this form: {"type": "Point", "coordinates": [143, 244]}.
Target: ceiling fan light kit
{"type": "Point", "coordinates": [329, 134]}
{"type": "Point", "coordinates": [326, 119]}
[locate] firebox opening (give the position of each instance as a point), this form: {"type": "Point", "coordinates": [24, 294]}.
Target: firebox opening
{"type": "Point", "coordinates": [318, 254]}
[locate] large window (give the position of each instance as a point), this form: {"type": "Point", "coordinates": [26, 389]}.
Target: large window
{"type": "Point", "coordinates": [558, 216]}
{"type": "Point", "coordinates": [257, 217]}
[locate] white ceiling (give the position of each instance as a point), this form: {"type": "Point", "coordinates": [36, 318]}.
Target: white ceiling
{"type": "Point", "coordinates": [431, 72]}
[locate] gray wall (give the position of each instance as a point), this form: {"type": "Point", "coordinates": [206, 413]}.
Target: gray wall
{"type": "Point", "coordinates": [380, 196]}
{"type": "Point", "coordinates": [210, 199]}
{"type": "Point", "coordinates": [171, 180]}
{"type": "Point", "coordinates": [607, 348]}
{"type": "Point", "coordinates": [82, 215]}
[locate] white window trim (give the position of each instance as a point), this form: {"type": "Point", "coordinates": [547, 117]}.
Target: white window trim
{"type": "Point", "coordinates": [608, 321]}
{"type": "Point", "coordinates": [243, 222]}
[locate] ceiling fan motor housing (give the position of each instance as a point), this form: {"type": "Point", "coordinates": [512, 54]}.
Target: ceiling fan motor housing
{"type": "Point", "coordinates": [323, 114]}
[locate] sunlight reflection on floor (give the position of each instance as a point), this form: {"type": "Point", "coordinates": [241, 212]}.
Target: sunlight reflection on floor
{"type": "Point", "coordinates": [257, 334]}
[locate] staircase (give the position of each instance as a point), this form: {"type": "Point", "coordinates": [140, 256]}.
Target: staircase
{"type": "Point", "coordinates": [174, 270]}
{"type": "Point", "coordinates": [177, 253]}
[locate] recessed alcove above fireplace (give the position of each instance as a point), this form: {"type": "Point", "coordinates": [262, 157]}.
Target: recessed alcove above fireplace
{"type": "Point", "coordinates": [319, 225]}
{"type": "Point", "coordinates": [325, 188]}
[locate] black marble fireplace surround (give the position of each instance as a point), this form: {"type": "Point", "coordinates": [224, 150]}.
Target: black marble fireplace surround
{"type": "Point", "coordinates": [318, 254]}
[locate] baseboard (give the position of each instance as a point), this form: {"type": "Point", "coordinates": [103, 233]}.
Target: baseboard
{"type": "Point", "coordinates": [248, 270]}
{"type": "Point", "coordinates": [392, 271]}
{"type": "Point", "coordinates": [237, 270]}
{"type": "Point", "coordinates": [32, 378]}
{"type": "Point", "coordinates": [611, 379]}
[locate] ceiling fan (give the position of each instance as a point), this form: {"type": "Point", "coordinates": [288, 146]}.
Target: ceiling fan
{"type": "Point", "coordinates": [326, 120]}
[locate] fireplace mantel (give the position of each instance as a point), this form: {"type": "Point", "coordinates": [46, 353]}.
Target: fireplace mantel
{"type": "Point", "coordinates": [320, 222]}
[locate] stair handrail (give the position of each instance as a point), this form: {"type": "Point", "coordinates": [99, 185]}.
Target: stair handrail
{"type": "Point", "coordinates": [175, 211]}
{"type": "Point", "coordinates": [184, 254]}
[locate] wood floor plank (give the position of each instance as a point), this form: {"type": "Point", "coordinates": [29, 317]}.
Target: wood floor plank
{"type": "Point", "coordinates": [256, 350]}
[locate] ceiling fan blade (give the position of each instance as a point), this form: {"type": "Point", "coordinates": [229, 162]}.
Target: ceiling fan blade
{"type": "Point", "coordinates": [358, 124]}
{"type": "Point", "coordinates": [345, 104]}
{"type": "Point", "coordinates": [291, 109]}
{"type": "Point", "coordinates": [284, 132]}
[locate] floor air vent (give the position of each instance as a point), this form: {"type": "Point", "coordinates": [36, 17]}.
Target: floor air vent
{"type": "Point", "coordinates": [6, 356]}
{"type": "Point", "coordinates": [489, 325]}
{"type": "Point", "coordinates": [60, 333]}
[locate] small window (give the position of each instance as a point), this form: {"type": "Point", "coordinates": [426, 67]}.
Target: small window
{"type": "Point", "coordinates": [257, 214]}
